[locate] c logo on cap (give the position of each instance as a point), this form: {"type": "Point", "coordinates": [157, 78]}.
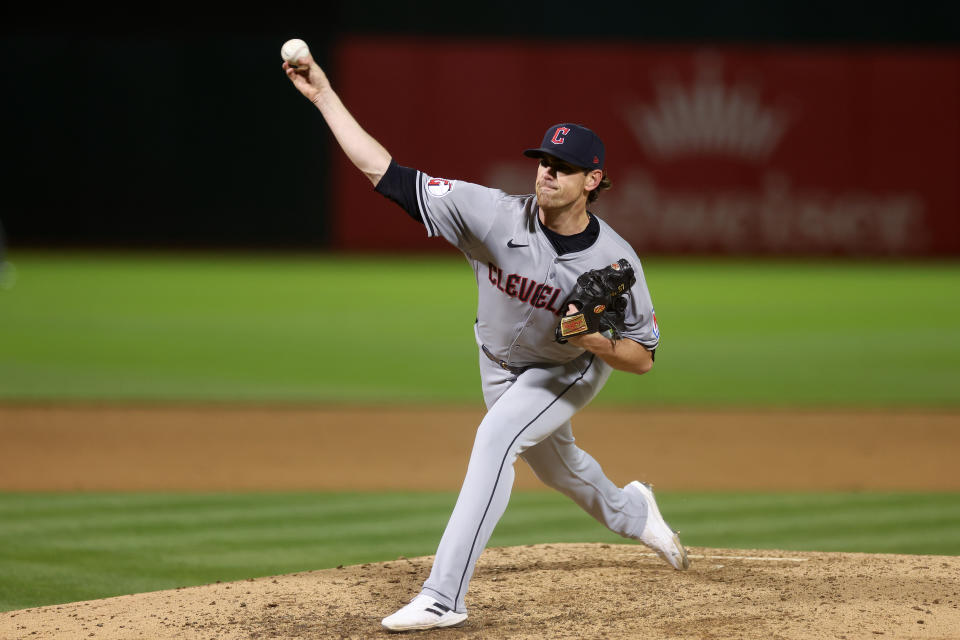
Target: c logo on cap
{"type": "Point", "coordinates": [557, 139]}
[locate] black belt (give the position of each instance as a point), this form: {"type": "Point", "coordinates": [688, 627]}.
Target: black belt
{"type": "Point", "coordinates": [502, 363]}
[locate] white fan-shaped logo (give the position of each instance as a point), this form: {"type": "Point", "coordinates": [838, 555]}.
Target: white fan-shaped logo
{"type": "Point", "coordinates": [707, 117]}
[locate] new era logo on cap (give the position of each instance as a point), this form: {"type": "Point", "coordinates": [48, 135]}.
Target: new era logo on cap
{"type": "Point", "coordinates": [573, 143]}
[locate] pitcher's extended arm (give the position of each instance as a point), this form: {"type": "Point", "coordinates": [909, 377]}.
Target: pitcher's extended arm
{"type": "Point", "coordinates": [363, 150]}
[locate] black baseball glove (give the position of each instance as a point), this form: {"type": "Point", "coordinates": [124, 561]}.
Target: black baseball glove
{"type": "Point", "coordinates": [600, 299]}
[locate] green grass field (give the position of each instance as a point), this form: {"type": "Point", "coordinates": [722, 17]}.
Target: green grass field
{"type": "Point", "coordinates": [327, 329]}
{"type": "Point", "coordinates": [381, 330]}
{"type": "Point", "coordinates": [60, 548]}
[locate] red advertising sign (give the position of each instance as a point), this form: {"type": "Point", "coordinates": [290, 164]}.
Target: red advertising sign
{"type": "Point", "coordinates": [741, 150]}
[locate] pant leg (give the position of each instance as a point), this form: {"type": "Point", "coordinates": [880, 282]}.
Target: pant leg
{"type": "Point", "coordinates": [534, 406]}
{"type": "Point", "coordinates": [559, 463]}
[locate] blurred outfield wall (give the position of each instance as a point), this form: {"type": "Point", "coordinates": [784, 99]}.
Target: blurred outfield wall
{"type": "Point", "coordinates": [816, 134]}
{"type": "Point", "coordinates": [711, 149]}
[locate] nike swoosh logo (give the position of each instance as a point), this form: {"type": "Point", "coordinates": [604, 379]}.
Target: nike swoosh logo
{"type": "Point", "coordinates": [514, 246]}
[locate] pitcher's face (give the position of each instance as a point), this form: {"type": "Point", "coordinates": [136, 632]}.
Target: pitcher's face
{"type": "Point", "coordinates": [560, 184]}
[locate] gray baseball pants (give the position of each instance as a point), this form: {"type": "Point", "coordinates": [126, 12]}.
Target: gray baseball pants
{"type": "Point", "coordinates": [529, 416]}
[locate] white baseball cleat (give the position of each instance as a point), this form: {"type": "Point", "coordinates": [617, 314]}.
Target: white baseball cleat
{"type": "Point", "coordinates": [657, 534]}
{"type": "Point", "coordinates": [423, 612]}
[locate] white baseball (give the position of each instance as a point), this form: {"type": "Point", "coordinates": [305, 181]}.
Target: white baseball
{"type": "Point", "coordinates": [293, 50]}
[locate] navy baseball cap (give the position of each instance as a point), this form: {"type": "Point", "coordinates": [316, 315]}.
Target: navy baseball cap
{"type": "Point", "coordinates": [571, 143]}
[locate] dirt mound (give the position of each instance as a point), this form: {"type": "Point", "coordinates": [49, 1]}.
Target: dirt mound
{"type": "Point", "coordinates": [553, 591]}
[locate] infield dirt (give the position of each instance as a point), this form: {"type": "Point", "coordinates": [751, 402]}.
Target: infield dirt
{"type": "Point", "coordinates": [542, 591]}
{"type": "Point", "coordinates": [219, 448]}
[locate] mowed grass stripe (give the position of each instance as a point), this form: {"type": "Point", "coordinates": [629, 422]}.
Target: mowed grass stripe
{"type": "Point", "coordinates": [307, 532]}
{"type": "Point", "coordinates": [158, 510]}
{"type": "Point", "coordinates": [64, 547]}
{"type": "Point", "coordinates": [745, 504]}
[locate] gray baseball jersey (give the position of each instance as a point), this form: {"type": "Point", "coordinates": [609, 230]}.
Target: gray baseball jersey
{"type": "Point", "coordinates": [521, 282]}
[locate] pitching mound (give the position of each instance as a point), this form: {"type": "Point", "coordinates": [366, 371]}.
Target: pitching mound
{"type": "Point", "coordinates": [553, 591]}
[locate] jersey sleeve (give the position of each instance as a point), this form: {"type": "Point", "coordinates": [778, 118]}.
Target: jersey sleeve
{"type": "Point", "coordinates": [400, 185]}
{"type": "Point", "coordinates": [461, 212]}
{"type": "Point", "coordinates": [640, 321]}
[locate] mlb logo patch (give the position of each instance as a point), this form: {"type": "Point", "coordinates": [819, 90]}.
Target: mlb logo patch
{"type": "Point", "coordinates": [656, 327]}
{"type": "Point", "coordinates": [439, 187]}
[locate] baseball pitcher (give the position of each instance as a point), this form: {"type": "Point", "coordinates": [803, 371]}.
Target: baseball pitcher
{"type": "Point", "coordinates": [561, 302]}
